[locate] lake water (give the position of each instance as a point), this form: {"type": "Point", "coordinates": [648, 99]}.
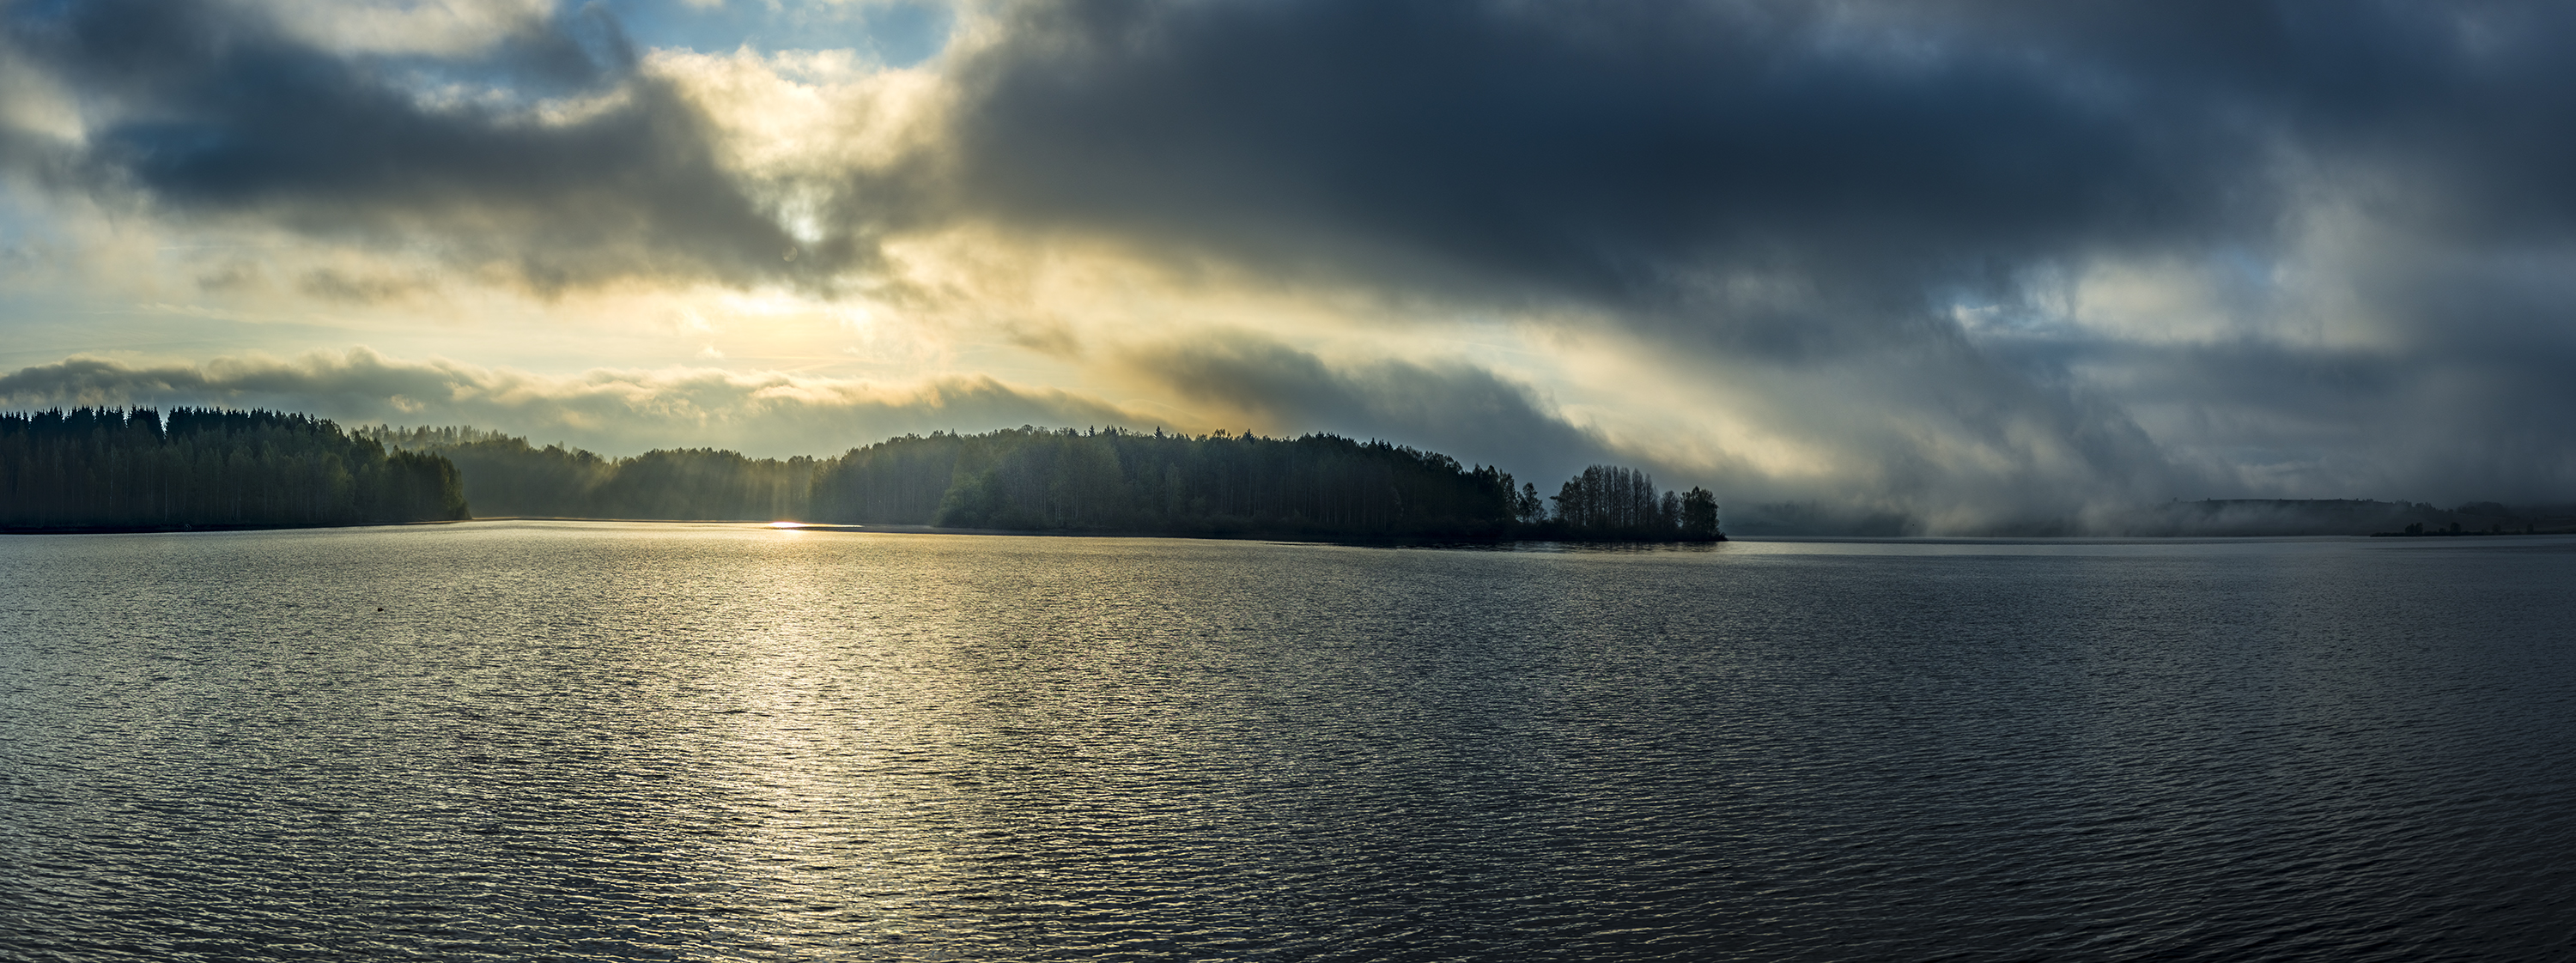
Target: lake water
{"type": "Point", "coordinates": [709, 742]}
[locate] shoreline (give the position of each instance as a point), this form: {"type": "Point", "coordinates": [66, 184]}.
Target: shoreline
{"type": "Point", "coordinates": [1230, 535]}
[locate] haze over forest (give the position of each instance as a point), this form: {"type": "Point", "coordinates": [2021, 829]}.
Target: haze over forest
{"type": "Point", "coordinates": [1938, 268]}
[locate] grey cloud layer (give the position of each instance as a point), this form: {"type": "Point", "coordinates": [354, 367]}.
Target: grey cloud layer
{"type": "Point", "coordinates": [1626, 152]}
{"type": "Point", "coordinates": [612, 412]}
{"type": "Point", "coordinates": [1847, 156]}
{"type": "Point", "coordinates": [1466, 412]}
{"type": "Point", "coordinates": [1855, 154]}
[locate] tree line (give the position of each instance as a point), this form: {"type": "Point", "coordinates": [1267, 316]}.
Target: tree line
{"type": "Point", "coordinates": [1612, 502]}
{"type": "Point", "coordinates": [506, 477]}
{"type": "Point", "coordinates": [1099, 480]}
{"type": "Point", "coordinates": [1114, 480]}
{"type": "Point", "coordinates": [100, 468]}
{"type": "Point", "coordinates": [93, 468]}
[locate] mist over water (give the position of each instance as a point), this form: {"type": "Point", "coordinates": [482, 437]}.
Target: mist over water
{"type": "Point", "coordinates": [603, 741]}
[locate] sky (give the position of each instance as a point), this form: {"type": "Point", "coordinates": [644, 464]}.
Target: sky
{"type": "Point", "coordinates": [1967, 265]}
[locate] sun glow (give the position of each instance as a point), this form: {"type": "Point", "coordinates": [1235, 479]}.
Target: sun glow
{"type": "Point", "coordinates": [787, 524]}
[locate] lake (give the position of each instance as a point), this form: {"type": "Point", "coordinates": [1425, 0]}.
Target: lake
{"type": "Point", "coordinates": [722, 742]}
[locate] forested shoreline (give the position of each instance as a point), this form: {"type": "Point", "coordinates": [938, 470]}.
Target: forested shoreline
{"type": "Point", "coordinates": [104, 469]}
{"type": "Point", "coordinates": [505, 477]}
{"type": "Point", "coordinates": [1099, 481]}
{"type": "Point", "coordinates": [107, 469]}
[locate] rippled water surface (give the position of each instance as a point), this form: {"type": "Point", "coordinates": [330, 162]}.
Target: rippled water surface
{"type": "Point", "coordinates": [578, 741]}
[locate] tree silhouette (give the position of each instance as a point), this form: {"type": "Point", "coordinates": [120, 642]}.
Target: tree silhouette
{"type": "Point", "coordinates": [1069, 480]}
{"type": "Point", "coordinates": [106, 468]}
{"type": "Point", "coordinates": [1614, 503]}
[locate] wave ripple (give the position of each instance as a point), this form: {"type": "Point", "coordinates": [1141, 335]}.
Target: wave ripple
{"type": "Point", "coordinates": [605, 742]}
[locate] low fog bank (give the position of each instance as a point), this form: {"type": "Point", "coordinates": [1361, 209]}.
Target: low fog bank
{"type": "Point", "coordinates": [2207, 518]}
{"type": "Point", "coordinates": [618, 411]}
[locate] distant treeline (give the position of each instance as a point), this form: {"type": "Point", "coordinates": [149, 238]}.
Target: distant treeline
{"type": "Point", "coordinates": [113, 469]}
{"type": "Point", "coordinates": [2207, 518]}
{"type": "Point", "coordinates": [2343, 516]}
{"type": "Point", "coordinates": [506, 477]}
{"type": "Point", "coordinates": [1032, 479]}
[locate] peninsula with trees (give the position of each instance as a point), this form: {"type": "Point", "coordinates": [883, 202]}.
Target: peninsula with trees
{"type": "Point", "coordinates": [108, 470]}
{"type": "Point", "coordinates": [1094, 481]}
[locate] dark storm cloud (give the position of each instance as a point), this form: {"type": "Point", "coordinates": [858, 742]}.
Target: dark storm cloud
{"type": "Point", "coordinates": [209, 108]}
{"type": "Point", "coordinates": [1466, 412]}
{"type": "Point", "coordinates": [2465, 424]}
{"type": "Point", "coordinates": [1844, 160]}
{"type": "Point", "coordinates": [2467, 110]}
{"type": "Point", "coordinates": [1658, 156]}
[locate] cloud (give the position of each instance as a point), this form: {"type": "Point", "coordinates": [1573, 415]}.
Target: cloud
{"type": "Point", "coordinates": [543, 158]}
{"type": "Point", "coordinates": [1767, 174]}
{"type": "Point", "coordinates": [609, 411]}
{"type": "Point", "coordinates": [1811, 197]}
{"type": "Point", "coordinates": [447, 28]}
{"type": "Point", "coordinates": [1635, 152]}
{"type": "Point", "coordinates": [1464, 411]}
{"type": "Point", "coordinates": [1956, 263]}
{"type": "Point", "coordinates": [333, 285]}
{"type": "Point", "coordinates": [1772, 177]}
